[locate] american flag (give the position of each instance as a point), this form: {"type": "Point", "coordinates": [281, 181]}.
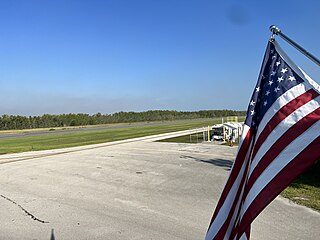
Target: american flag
{"type": "Point", "coordinates": [280, 140]}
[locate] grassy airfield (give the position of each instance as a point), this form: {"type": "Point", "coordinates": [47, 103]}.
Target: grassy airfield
{"type": "Point", "coordinates": [72, 139]}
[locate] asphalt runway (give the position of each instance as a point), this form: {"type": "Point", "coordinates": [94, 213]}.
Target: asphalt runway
{"type": "Point", "coordinates": [131, 189]}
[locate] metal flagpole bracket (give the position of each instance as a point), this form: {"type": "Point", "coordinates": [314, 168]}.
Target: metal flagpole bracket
{"type": "Point", "coordinates": [276, 31]}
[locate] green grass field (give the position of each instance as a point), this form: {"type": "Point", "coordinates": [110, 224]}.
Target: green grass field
{"type": "Point", "coordinates": [194, 138]}
{"type": "Point", "coordinates": [306, 189]}
{"type": "Point", "coordinates": [55, 141]}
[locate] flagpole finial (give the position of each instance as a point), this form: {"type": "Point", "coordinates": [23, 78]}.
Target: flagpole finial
{"type": "Point", "coordinates": [274, 29]}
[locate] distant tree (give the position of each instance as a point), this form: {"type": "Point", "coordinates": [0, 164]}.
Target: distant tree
{"type": "Point", "coordinates": [45, 121]}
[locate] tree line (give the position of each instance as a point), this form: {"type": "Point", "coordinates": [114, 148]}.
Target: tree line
{"type": "Point", "coordinates": [8, 122]}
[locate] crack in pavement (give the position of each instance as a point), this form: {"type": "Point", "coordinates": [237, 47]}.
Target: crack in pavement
{"type": "Point", "coordinates": [23, 209]}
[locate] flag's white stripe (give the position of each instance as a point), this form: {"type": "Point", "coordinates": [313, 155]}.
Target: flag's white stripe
{"type": "Point", "coordinates": [243, 237]}
{"type": "Point", "coordinates": [282, 127]}
{"type": "Point", "coordinates": [309, 80]}
{"type": "Point", "coordinates": [226, 206]}
{"type": "Point", "coordinates": [245, 130]}
{"type": "Point", "coordinates": [285, 98]}
{"type": "Point", "coordinates": [295, 68]}
{"type": "Point", "coordinates": [234, 216]}
{"type": "Point", "coordinates": [289, 153]}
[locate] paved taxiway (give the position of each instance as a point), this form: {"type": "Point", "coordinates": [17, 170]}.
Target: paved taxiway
{"type": "Point", "coordinates": [132, 189]}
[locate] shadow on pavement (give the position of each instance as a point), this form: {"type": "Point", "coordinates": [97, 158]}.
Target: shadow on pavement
{"type": "Point", "coordinates": [52, 235]}
{"type": "Point", "coordinates": [224, 163]}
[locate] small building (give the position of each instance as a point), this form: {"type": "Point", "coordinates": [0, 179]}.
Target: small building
{"type": "Point", "coordinates": [224, 131]}
{"type": "Point", "coordinates": [233, 130]}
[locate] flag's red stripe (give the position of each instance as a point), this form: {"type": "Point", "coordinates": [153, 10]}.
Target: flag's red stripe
{"type": "Point", "coordinates": [291, 134]}
{"type": "Point", "coordinates": [222, 232]}
{"type": "Point", "coordinates": [298, 165]}
{"type": "Point", "coordinates": [285, 111]}
{"type": "Point", "coordinates": [234, 173]}
{"type": "Point", "coordinates": [248, 232]}
{"type": "Point", "coordinates": [234, 232]}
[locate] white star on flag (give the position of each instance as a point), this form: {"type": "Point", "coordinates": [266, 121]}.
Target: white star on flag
{"type": "Point", "coordinates": [280, 79]}
{"type": "Point", "coordinates": [292, 78]}
{"type": "Point", "coordinates": [277, 89]}
{"type": "Point", "coordinates": [284, 70]}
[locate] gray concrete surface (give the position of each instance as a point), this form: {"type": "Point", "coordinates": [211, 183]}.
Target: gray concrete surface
{"type": "Point", "coordinates": [135, 189]}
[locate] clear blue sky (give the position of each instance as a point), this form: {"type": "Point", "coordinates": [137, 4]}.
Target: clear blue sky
{"type": "Point", "coordinates": [93, 56]}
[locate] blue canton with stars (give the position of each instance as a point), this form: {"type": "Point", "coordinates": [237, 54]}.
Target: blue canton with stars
{"type": "Point", "coordinates": [276, 77]}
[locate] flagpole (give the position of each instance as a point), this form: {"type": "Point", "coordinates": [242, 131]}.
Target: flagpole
{"type": "Point", "coordinates": [275, 30]}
